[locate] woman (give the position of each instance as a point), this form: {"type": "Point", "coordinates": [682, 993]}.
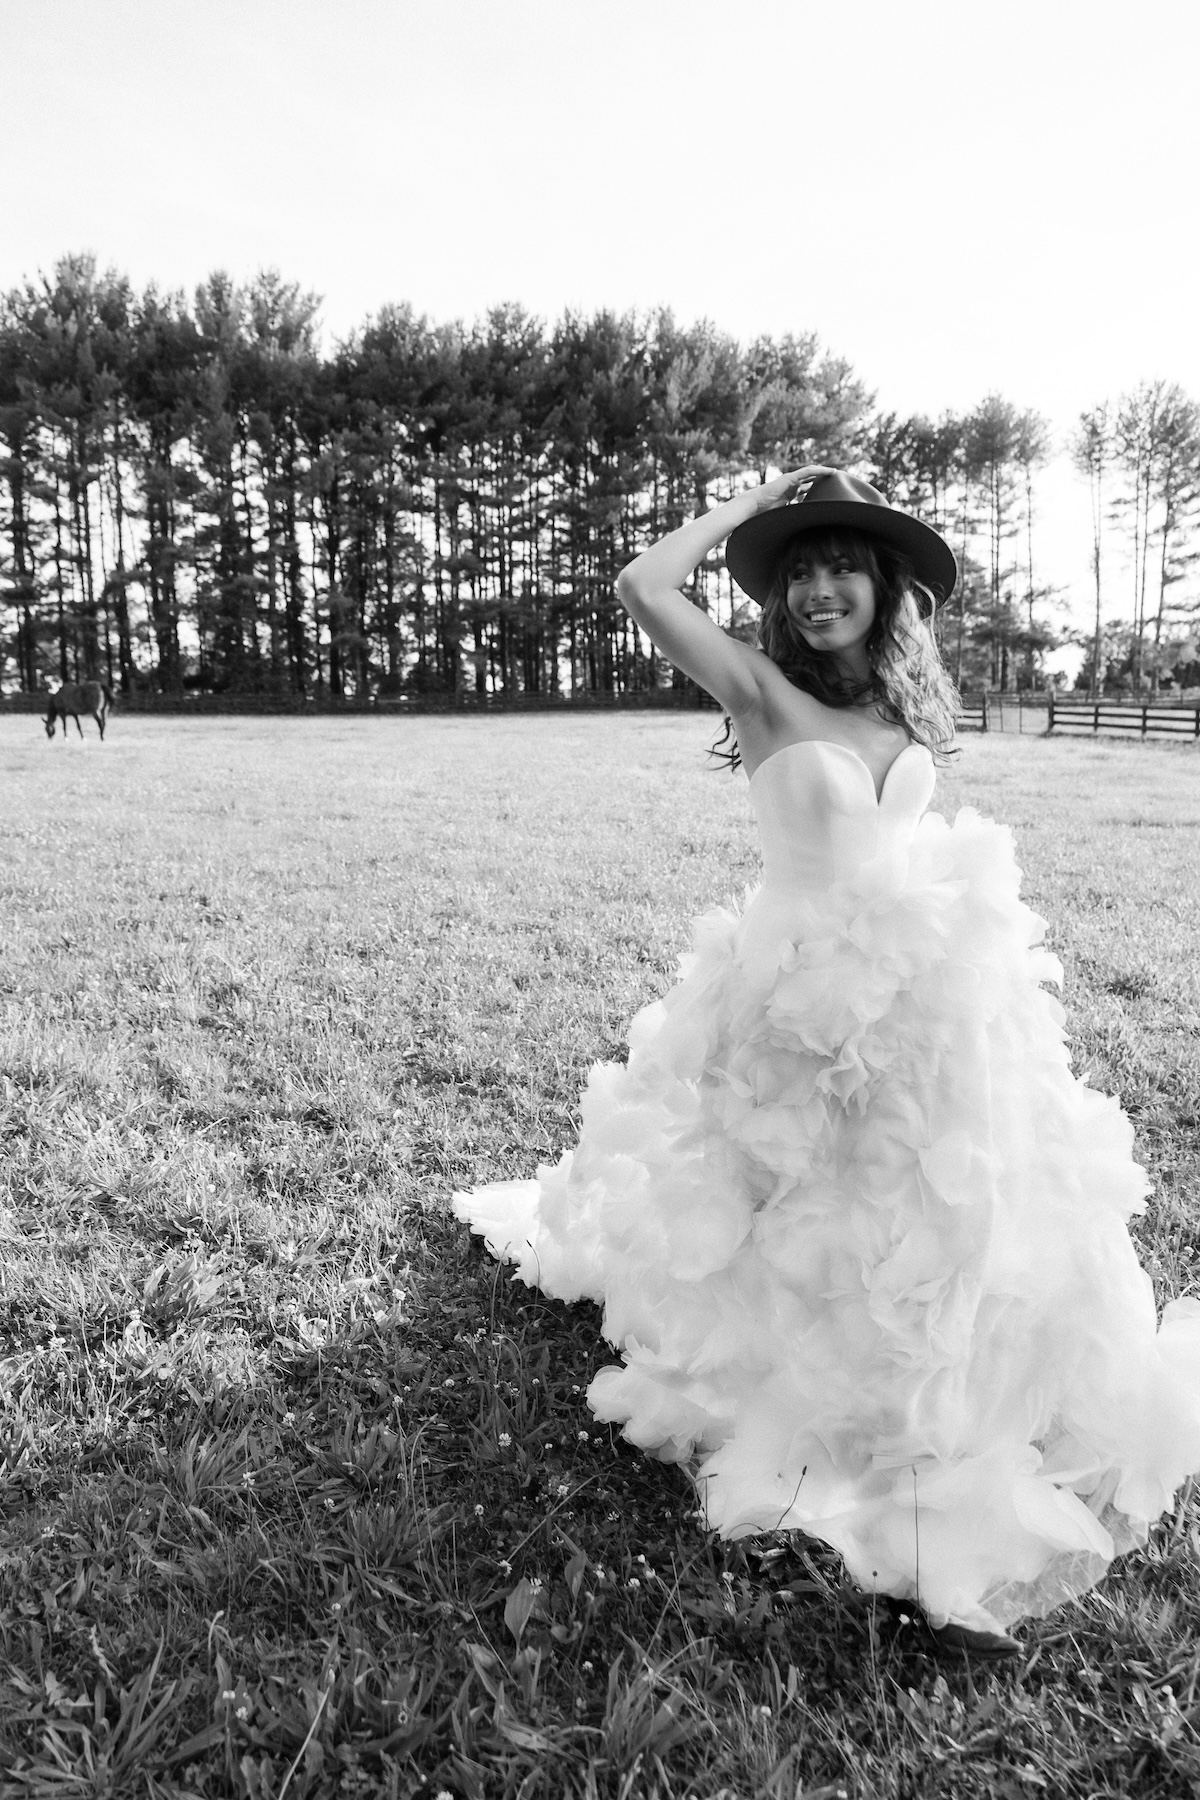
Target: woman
{"type": "Point", "coordinates": [858, 1232]}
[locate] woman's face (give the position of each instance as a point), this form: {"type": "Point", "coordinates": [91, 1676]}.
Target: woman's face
{"type": "Point", "coordinates": [833, 603]}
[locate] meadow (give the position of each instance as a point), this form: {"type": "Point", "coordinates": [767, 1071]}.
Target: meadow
{"type": "Point", "coordinates": [298, 1492]}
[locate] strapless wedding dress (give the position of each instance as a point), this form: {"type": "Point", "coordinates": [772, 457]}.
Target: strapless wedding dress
{"type": "Point", "coordinates": [859, 1234]}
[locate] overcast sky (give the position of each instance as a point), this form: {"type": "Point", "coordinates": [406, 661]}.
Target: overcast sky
{"type": "Point", "coordinates": [957, 197]}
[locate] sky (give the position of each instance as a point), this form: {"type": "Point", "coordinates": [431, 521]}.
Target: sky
{"type": "Point", "coordinates": [960, 198]}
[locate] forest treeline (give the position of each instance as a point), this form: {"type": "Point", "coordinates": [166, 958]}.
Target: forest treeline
{"type": "Point", "coordinates": [194, 497]}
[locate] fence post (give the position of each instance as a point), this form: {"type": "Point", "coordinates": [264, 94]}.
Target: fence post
{"type": "Point", "coordinates": [1096, 719]}
{"type": "Point", "coordinates": [1145, 719]}
{"type": "Point", "coordinates": [984, 726]}
{"type": "Point", "coordinates": [1050, 709]}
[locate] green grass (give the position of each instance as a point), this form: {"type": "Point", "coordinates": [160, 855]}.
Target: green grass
{"type": "Point", "coordinates": [299, 1493]}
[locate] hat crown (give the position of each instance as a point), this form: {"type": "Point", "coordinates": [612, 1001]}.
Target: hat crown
{"type": "Point", "coordinates": [839, 486]}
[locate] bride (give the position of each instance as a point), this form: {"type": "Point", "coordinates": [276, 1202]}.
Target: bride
{"type": "Point", "coordinates": [858, 1233]}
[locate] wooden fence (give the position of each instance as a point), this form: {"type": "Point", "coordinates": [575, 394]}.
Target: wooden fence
{"type": "Point", "coordinates": [974, 715]}
{"type": "Point", "coordinates": [1039, 714]}
{"type": "Point", "coordinates": [1034, 713]}
{"type": "Point", "coordinates": [666, 699]}
{"type": "Point", "coordinates": [1093, 716]}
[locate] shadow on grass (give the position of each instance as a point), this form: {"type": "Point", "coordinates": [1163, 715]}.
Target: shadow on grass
{"type": "Point", "coordinates": [404, 1560]}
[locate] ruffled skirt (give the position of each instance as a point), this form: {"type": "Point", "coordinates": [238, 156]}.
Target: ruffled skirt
{"type": "Point", "coordinates": [860, 1237]}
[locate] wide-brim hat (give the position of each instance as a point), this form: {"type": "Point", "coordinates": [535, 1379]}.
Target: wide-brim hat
{"type": "Point", "coordinates": [837, 501]}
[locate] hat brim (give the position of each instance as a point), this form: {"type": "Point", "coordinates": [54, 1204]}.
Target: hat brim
{"type": "Point", "coordinates": [753, 550]}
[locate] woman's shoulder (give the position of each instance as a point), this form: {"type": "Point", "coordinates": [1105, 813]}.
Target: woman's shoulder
{"type": "Point", "coordinates": [783, 714]}
{"type": "Point", "coordinates": [796, 712]}
{"type": "Point", "coordinates": [789, 714]}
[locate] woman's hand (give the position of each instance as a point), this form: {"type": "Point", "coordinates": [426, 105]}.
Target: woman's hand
{"type": "Point", "coordinates": [650, 591]}
{"type": "Point", "coordinates": [785, 487]}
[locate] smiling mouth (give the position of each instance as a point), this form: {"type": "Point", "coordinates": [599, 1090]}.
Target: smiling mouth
{"type": "Point", "coordinates": [824, 617]}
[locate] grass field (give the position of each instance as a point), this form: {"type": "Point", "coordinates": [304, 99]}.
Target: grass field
{"type": "Point", "coordinates": [299, 1494]}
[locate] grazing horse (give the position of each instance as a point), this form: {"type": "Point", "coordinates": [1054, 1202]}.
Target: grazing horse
{"type": "Point", "coordinates": [91, 697]}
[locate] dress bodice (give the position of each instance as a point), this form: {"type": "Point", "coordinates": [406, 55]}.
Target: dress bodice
{"type": "Point", "coordinates": [818, 815]}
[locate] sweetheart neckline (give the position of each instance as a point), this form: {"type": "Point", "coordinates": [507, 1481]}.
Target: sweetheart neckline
{"type": "Point", "coordinates": [829, 744]}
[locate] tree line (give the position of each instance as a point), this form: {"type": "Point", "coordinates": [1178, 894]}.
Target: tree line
{"type": "Point", "coordinates": [194, 496]}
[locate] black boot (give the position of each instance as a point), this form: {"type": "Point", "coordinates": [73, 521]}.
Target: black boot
{"type": "Point", "coordinates": [975, 1643]}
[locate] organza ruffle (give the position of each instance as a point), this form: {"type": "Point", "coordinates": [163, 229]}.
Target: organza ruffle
{"type": "Point", "coordinates": [860, 1237]}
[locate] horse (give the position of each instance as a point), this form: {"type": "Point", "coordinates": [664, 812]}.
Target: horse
{"type": "Point", "coordinates": [91, 697]}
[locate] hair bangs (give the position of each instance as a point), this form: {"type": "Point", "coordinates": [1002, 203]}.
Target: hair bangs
{"type": "Point", "coordinates": [826, 544]}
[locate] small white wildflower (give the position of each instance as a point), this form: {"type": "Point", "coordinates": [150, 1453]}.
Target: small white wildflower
{"type": "Point", "coordinates": [904, 1619]}
{"type": "Point", "coordinates": [640, 1559]}
{"type": "Point", "coordinates": [583, 1437]}
{"type": "Point", "coordinates": [504, 1440]}
{"type": "Point", "coordinates": [247, 1477]}
{"type": "Point", "coordinates": [449, 1381]}
{"type": "Point", "coordinates": [765, 1711]}
{"type": "Point", "coordinates": [505, 1567]}
{"type": "Point", "coordinates": [289, 1418]}
{"type": "Point", "coordinates": [479, 1512]}
{"type": "Point", "coordinates": [562, 1490]}
{"type": "Point", "coordinates": [588, 1667]}
{"type": "Point", "coordinates": [634, 1582]}
{"type": "Point", "coordinates": [229, 1694]}
{"type": "Point", "coordinates": [330, 1503]}
{"type": "Point", "coordinates": [243, 1712]}
{"type": "Point", "coordinates": [443, 1794]}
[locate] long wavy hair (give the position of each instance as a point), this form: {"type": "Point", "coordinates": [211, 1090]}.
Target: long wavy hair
{"type": "Point", "coordinates": [908, 682]}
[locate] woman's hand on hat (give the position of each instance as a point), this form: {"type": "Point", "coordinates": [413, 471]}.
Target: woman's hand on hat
{"type": "Point", "coordinates": [787, 487]}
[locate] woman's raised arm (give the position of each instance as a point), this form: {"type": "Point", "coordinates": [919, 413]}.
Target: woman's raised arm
{"type": "Point", "coordinates": [649, 590]}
